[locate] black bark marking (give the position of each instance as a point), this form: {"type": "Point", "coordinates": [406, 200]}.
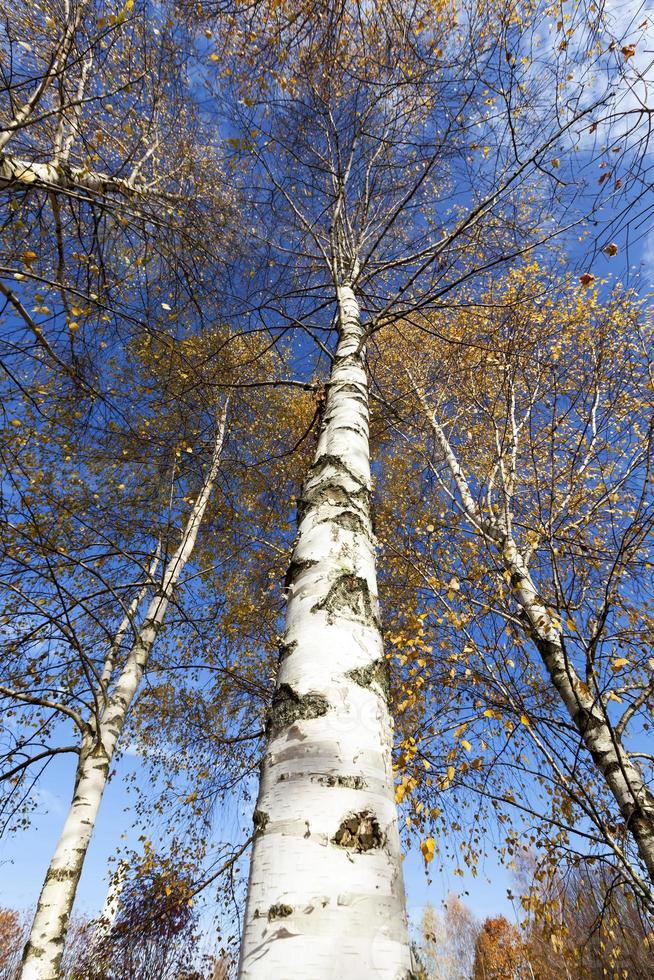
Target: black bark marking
{"type": "Point", "coordinates": [286, 649]}
{"type": "Point", "coordinates": [295, 568]}
{"type": "Point", "coordinates": [329, 459]}
{"type": "Point", "coordinates": [279, 911]}
{"type": "Point", "coordinates": [377, 673]}
{"type": "Point", "coordinates": [349, 520]}
{"type": "Point", "coordinates": [359, 832]}
{"type": "Point", "coordinates": [288, 707]}
{"type": "Point", "coordinates": [350, 782]}
{"type": "Point", "coordinates": [349, 596]}
{"type": "Point", "coordinates": [260, 820]}
{"type": "Point", "coordinates": [334, 494]}
{"type": "Point", "coordinates": [355, 390]}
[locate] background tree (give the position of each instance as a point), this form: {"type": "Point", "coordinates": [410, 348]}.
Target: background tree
{"type": "Point", "coordinates": [498, 951]}
{"type": "Point", "coordinates": [583, 923]}
{"type": "Point", "coordinates": [11, 942]}
{"type": "Point", "coordinates": [155, 932]}
{"type": "Point", "coordinates": [448, 940]}
{"type": "Point", "coordinates": [536, 462]}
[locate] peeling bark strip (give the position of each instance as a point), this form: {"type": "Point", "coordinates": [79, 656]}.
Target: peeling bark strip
{"type": "Point", "coordinates": [326, 861]}
{"type": "Point", "coordinates": [44, 949]}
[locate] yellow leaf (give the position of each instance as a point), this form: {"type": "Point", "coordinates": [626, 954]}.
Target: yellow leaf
{"type": "Point", "coordinates": [466, 745]}
{"type": "Point", "coordinates": [619, 662]}
{"type": "Point", "coordinates": [428, 848]}
{"type": "Point", "coordinates": [450, 773]}
{"type": "Point", "coordinates": [525, 720]}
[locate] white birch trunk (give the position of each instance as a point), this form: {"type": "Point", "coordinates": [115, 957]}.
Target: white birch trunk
{"type": "Point", "coordinates": [107, 917]}
{"type": "Point", "coordinates": [60, 176]}
{"type": "Point", "coordinates": [44, 949]}
{"type": "Point", "coordinates": [622, 776]}
{"type": "Point", "coordinates": [326, 892]}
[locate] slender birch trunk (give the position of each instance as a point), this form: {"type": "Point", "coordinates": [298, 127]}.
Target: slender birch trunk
{"type": "Point", "coordinates": [326, 893]}
{"type": "Point", "coordinates": [622, 776]}
{"type": "Point", "coordinates": [58, 175]}
{"type": "Point", "coordinates": [45, 946]}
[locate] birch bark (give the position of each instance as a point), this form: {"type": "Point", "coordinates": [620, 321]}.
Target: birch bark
{"type": "Point", "coordinates": [45, 946]}
{"type": "Point", "coordinates": [326, 893]}
{"type": "Point", "coordinates": [58, 175]}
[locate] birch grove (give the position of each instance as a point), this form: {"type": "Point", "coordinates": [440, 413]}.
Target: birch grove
{"type": "Point", "coordinates": [293, 257]}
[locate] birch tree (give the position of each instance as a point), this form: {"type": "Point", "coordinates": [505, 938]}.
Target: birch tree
{"type": "Point", "coordinates": [98, 734]}
{"type": "Point", "coordinates": [541, 453]}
